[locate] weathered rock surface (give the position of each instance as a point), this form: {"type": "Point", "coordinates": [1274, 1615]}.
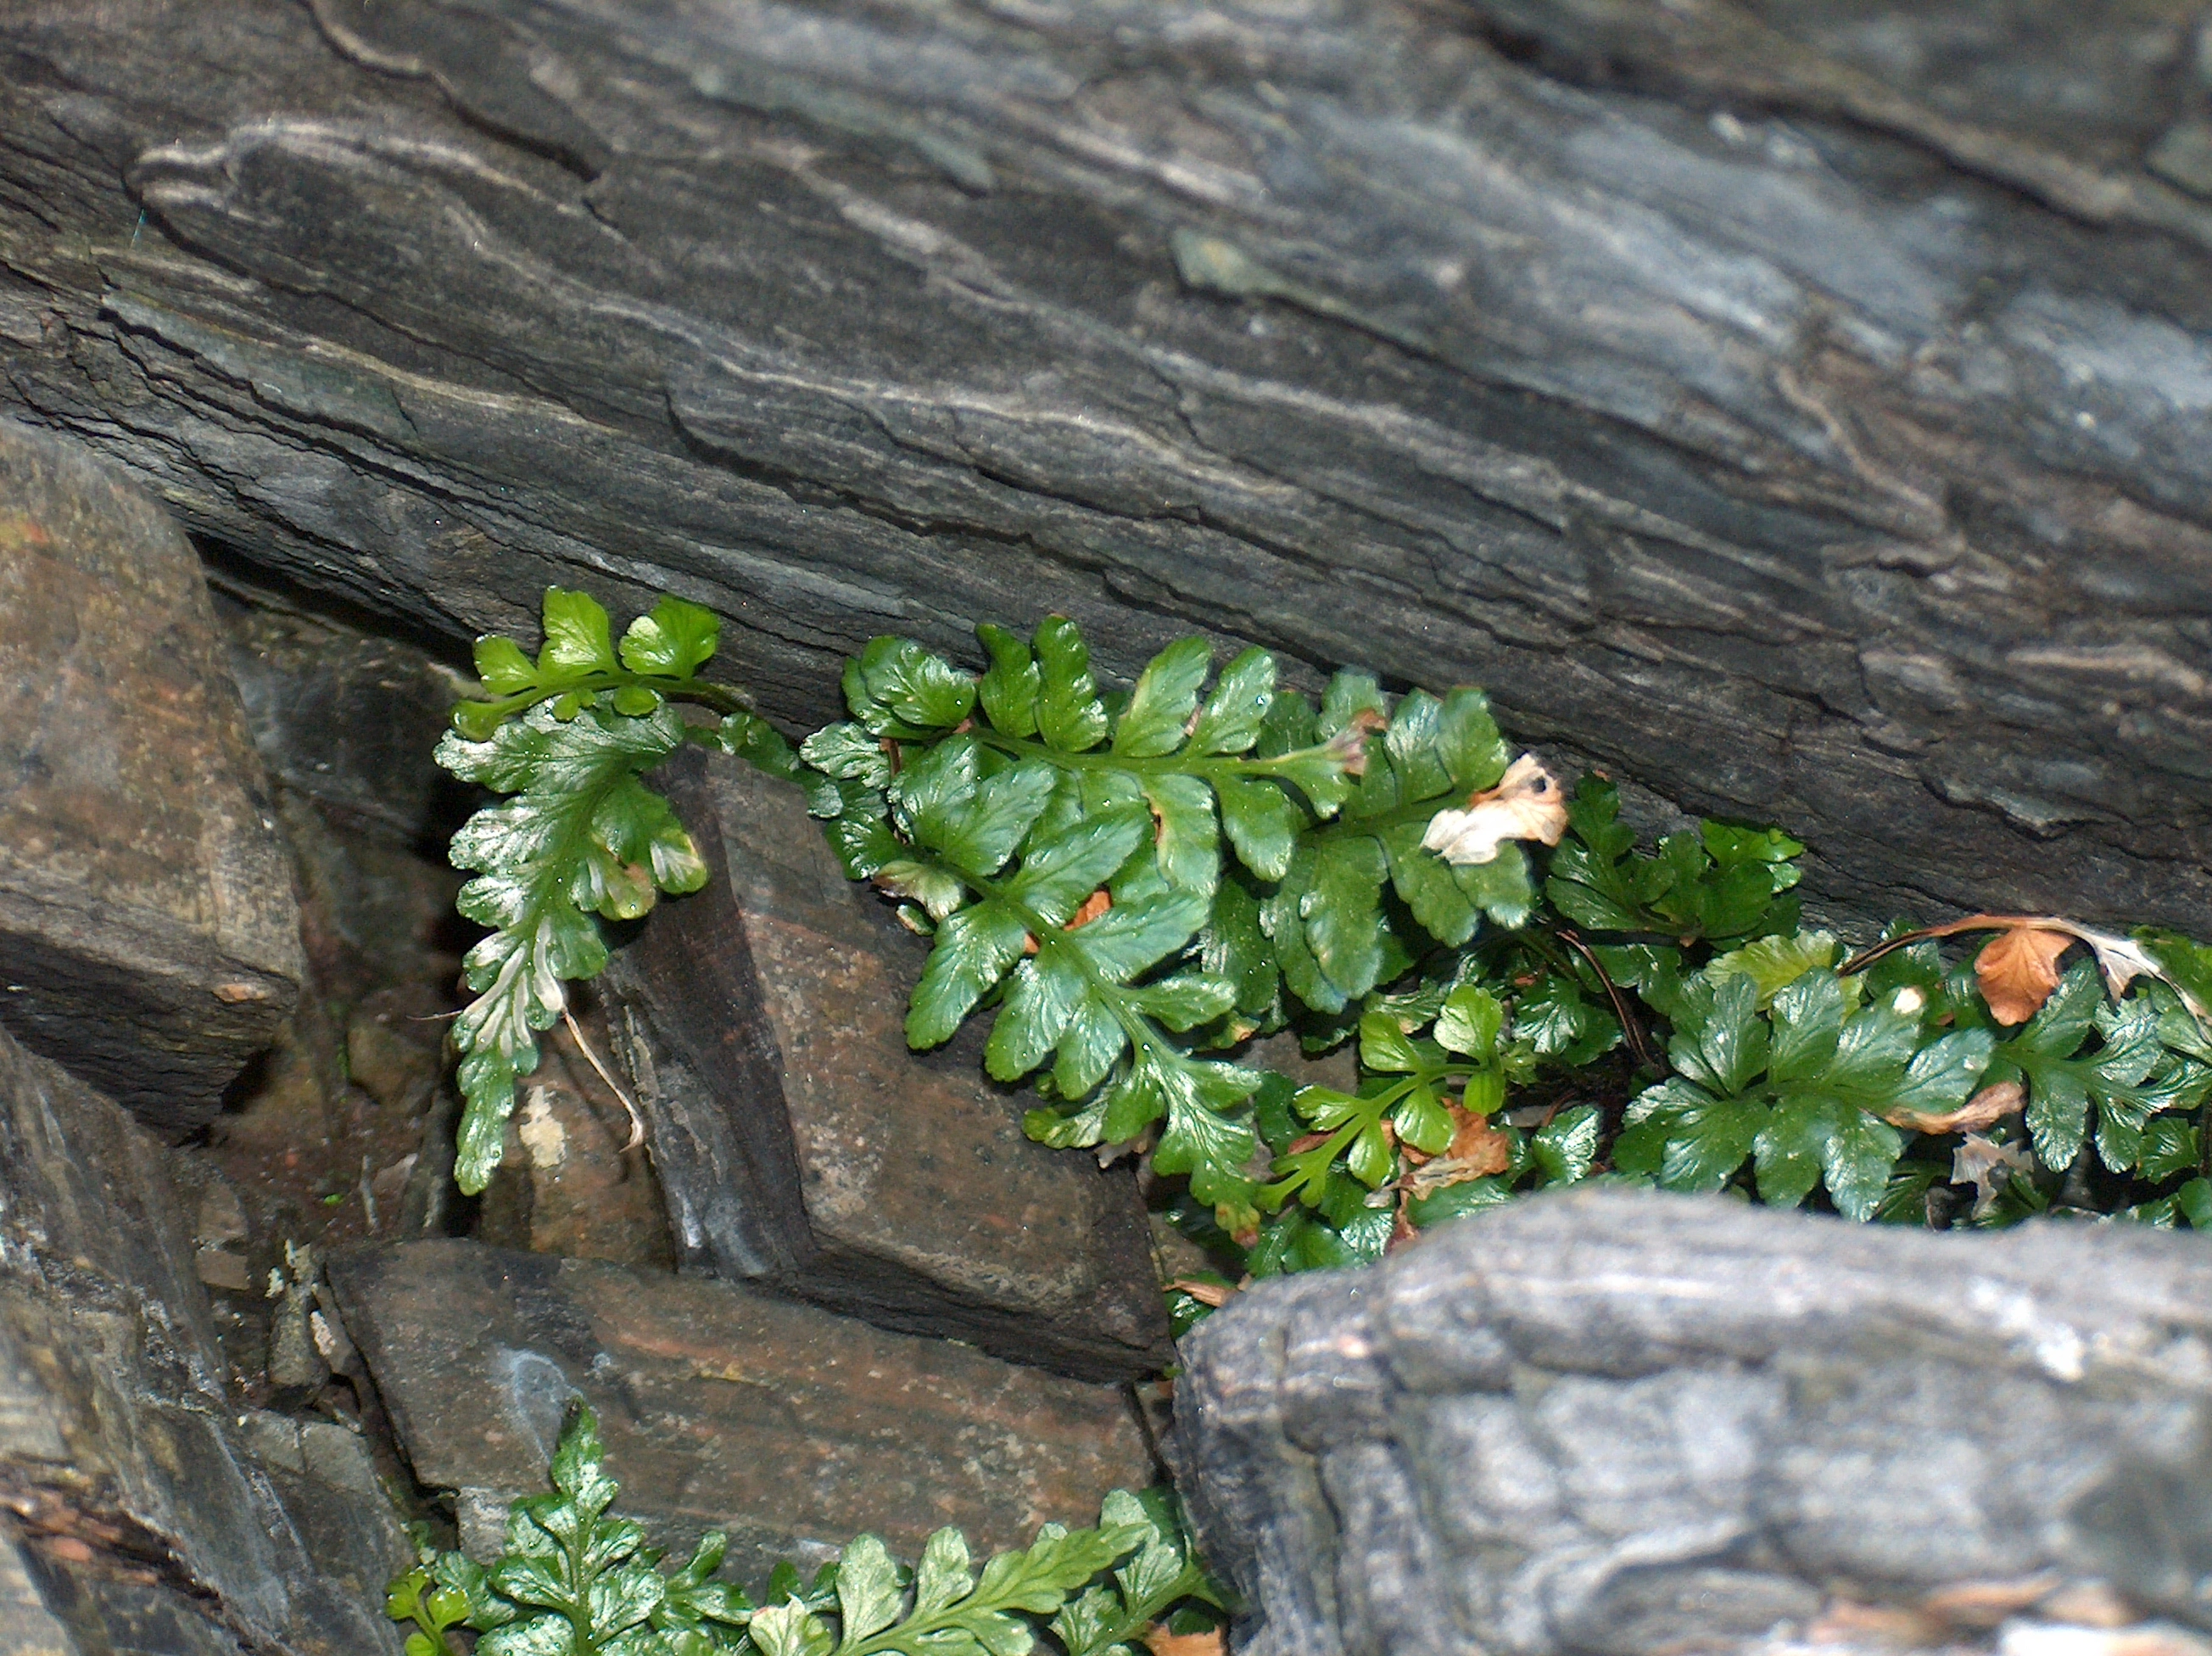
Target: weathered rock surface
{"type": "Point", "coordinates": [571, 1182]}
{"type": "Point", "coordinates": [786, 1427]}
{"type": "Point", "coordinates": [344, 1130]}
{"type": "Point", "coordinates": [146, 1509]}
{"type": "Point", "coordinates": [801, 1142]}
{"type": "Point", "coordinates": [1795, 405]}
{"type": "Point", "coordinates": [343, 718]}
{"type": "Point", "coordinates": [149, 938]}
{"type": "Point", "coordinates": [1621, 1424]}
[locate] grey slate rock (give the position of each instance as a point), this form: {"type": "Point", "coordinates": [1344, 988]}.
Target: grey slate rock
{"type": "Point", "coordinates": [148, 937]}
{"type": "Point", "coordinates": [1620, 1424]}
{"type": "Point", "coordinates": [118, 1428]}
{"type": "Point", "coordinates": [801, 1144]}
{"type": "Point", "coordinates": [789, 1428]}
{"type": "Point", "coordinates": [1793, 407]}
{"type": "Point", "coordinates": [347, 719]}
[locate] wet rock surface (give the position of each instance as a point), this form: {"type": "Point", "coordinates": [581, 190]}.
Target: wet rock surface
{"type": "Point", "coordinates": [1623, 1424]}
{"type": "Point", "coordinates": [148, 938]}
{"type": "Point", "coordinates": [148, 1506]}
{"type": "Point", "coordinates": [802, 1143]}
{"type": "Point", "coordinates": [786, 1427]}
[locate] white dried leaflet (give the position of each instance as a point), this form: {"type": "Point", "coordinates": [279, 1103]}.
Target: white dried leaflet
{"type": "Point", "coordinates": [1526, 804]}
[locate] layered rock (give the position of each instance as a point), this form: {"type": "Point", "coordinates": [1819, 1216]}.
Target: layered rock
{"type": "Point", "coordinates": [148, 937]}
{"type": "Point", "coordinates": [789, 1428]}
{"type": "Point", "coordinates": [1794, 407]}
{"type": "Point", "coordinates": [147, 1505]}
{"type": "Point", "coordinates": [1624, 1424]}
{"type": "Point", "coordinates": [803, 1145]}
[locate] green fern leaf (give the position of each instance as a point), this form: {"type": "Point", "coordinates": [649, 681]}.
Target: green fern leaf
{"type": "Point", "coordinates": [580, 837]}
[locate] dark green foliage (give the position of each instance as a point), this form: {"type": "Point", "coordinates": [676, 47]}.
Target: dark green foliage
{"type": "Point", "coordinates": [2082, 1055]}
{"type": "Point", "coordinates": [1130, 887]}
{"type": "Point", "coordinates": [1247, 844]}
{"type": "Point", "coordinates": [1720, 884]}
{"type": "Point", "coordinates": [1801, 1092]}
{"type": "Point", "coordinates": [573, 1581]}
{"type": "Point", "coordinates": [1403, 1102]}
{"type": "Point", "coordinates": [1162, 1573]}
{"type": "Point", "coordinates": [580, 837]}
{"type": "Point", "coordinates": [1334, 931]}
{"type": "Point", "coordinates": [997, 806]}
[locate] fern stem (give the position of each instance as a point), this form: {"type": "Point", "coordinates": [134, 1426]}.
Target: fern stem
{"type": "Point", "coordinates": [1208, 766]}
{"type": "Point", "coordinates": [723, 699]}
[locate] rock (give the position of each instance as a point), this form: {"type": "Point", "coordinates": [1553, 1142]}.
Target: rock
{"type": "Point", "coordinates": [344, 1129]}
{"type": "Point", "coordinates": [2058, 1639]}
{"type": "Point", "coordinates": [786, 1427]}
{"type": "Point", "coordinates": [344, 718]}
{"type": "Point", "coordinates": [396, 1053]}
{"type": "Point", "coordinates": [1793, 407]}
{"type": "Point", "coordinates": [801, 1143]}
{"type": "Point", "coordinates": [297, 1369]}
{"type": "Point", "coordinates": [567, 1184]}
{"type": "Point", "coordinates": [156, 1511]}
{"type": "Point", "coordinates": [220, 1234]}
{"type": "Point", "coordinates": [1621, 1424]}
{"type": "Point", "coordinates": [149, 938]}
{"type": "Point", "coordinates": [395, 1045]}
{"type": "Point", "coordinates": [27, 1628]}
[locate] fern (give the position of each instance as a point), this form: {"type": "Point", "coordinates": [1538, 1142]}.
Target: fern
{"type": "Point", "coordinates": [1007, 808]}
{"type": "Point", "coordinates": [568, 738]}
{"type": "Point", "coordinates": [572, 1581]}
{"type": "Point", "coordinates": [1334, 934]}
{"type": "Point", "coordinates": [1129, 886]}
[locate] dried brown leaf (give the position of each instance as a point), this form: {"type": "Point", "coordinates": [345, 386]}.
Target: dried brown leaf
{"type": "Point", "coordinates": [1475, 1140]}
{"type": "Point", "coordinates": [1215, 1295]}
{"type": "Point", "coordinates": [1985, 1164]}
{"type": "Point", "coordinates": [1161, 1642]}
{"type": "Point", "coordinates": [1477, 1150]}
{"type": "Point", "coordinates": [2018, 968]}
{"type": "Point", "coordinates": [1401, 1226]}
{"type": "Point", "coordinates": [2121, 959]}
{"type": "Point", "coordinates": [1093, 905]}
{"type": "Point", "coordinates": [1349, 745]}
{"type": "Point", "coordinates": [1526, 804]}
{"type": "Point", "coordinates": [1986, 1109]}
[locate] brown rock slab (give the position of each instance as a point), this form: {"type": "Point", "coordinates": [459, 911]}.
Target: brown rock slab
{"type": "Point", "coordinates": [801, 1142]}
{"type": "Point", "coordinates": [569, 1182]}
{"type": "Point", "coordinates": [148, 937]}
{"type": "Point", "coordinates": [788, 1428]}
